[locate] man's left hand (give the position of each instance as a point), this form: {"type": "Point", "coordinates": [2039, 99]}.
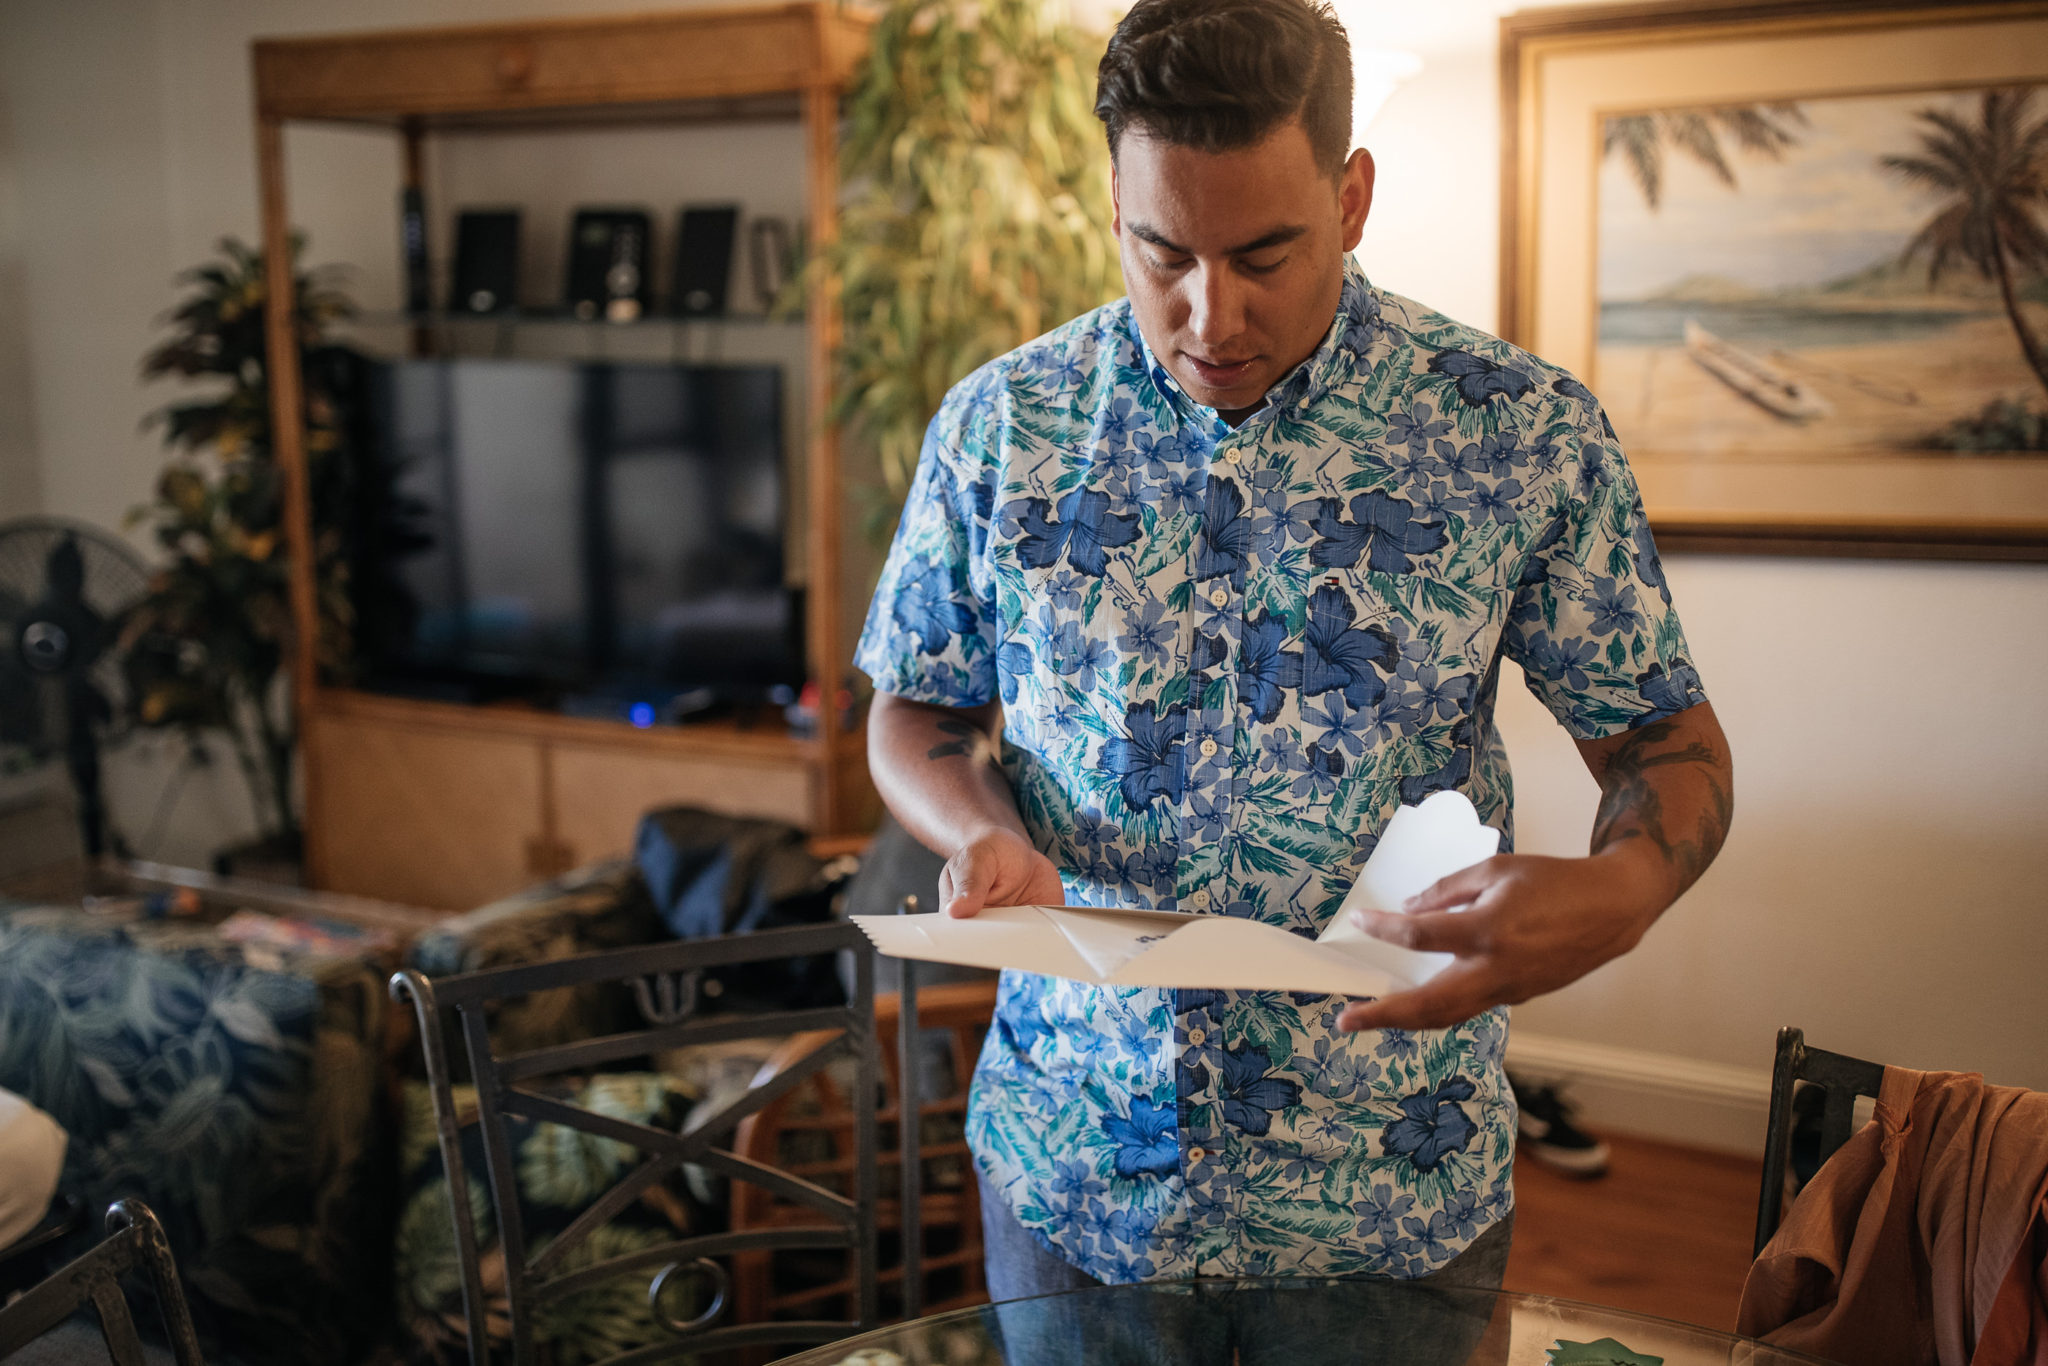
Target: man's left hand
{"type": "Point", "coordinates": [1523, 924]}
{"type": "Point", "coordinates": [1520, 924]}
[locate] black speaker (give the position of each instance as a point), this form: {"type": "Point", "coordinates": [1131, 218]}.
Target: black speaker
{"type": "Point", "coordinates": [704, 238]}
{"type": "Point", "coordinates": [412, 243]}
{"type": "Point", "coordinates": [771, 258]}
{"type": "Point", "coordinates": [486, 276]}
{"type": "Point", "coordinates": [608, 264]}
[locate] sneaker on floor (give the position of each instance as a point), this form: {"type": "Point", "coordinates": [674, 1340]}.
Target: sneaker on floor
{"type": "Point", "coordinates": [1544, 1130]}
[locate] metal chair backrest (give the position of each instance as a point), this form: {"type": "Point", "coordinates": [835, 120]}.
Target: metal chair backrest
{"type": "Point", "coordinates": [1841, 1079]}
{"type": "Point", "coordinates": [135, 1241]}
{"type": "Point", "coordinates": [664, 979]}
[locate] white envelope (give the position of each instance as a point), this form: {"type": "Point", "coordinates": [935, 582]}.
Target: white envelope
{"type": "Point", "coordinates": [1170, 949]}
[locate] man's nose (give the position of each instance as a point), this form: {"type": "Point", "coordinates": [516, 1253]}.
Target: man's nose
{"type": "Point", "coordinates": [1216, 312]}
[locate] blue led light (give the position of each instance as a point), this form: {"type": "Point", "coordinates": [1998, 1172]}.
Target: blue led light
{"type": "Point", "coordinates": [641, 714]}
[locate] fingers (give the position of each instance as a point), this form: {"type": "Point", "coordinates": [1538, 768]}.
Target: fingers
{"type": "Point", "coordinates": [1044, 887]}
{"type": "Point", "coordinates": [1453, 996]}
{"type": "Point", "coordinates": [1465, 933]}
{"type": "Point", "coordinates": [1459, 889]}
{"type": "Point", "coordinates": [965, 882]}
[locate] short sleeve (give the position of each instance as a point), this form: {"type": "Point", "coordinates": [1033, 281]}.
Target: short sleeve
{"type": "Point", "coordinates": [930, 636]}
{"type": "Point", "coordinates": [1593, 626]}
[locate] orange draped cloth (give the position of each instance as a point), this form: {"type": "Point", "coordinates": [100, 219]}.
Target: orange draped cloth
{"type": "Point", "coordinates": [1923, 1240]}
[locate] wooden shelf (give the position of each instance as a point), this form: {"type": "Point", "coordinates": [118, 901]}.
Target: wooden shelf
{"type": "Point", "coordinates": [446, 805]}
{"type": "Point", "coordinates": [763, 739]}
{"type": "Point", "coordinates": [685, 65]}
{"type": "Point", "coordinates": [442, 804]}
{"type": "Point", "coordinates": [531, 317]}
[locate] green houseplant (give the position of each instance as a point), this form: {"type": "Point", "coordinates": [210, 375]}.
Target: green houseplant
{"type": "Point", "coordinates": [211, 638]}
{"type": "Point", "coordinates": [977, 207]}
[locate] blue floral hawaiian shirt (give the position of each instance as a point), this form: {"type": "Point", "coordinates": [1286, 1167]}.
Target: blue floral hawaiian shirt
{"type": "Point", "coordinates": [1225, 658]}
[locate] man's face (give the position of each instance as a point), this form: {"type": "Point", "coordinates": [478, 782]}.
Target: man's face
{"type": "Point", "coordinates": [1234, 260]}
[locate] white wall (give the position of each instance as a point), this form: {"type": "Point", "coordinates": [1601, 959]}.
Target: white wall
{"type": "Point", "coordinates": [20, 474]}
{"type": "Point", "coordinates": [1884, 884]}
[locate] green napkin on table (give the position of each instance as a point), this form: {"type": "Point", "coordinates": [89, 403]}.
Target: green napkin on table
{"type": "Point", "coordinates": [1605, 1352]}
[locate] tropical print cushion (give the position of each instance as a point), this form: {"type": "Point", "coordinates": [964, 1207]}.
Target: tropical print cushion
{"type": "Point", "coordinates": [561, 1172]}
{"type": "Point", "coordinates": [236, 1092]}
{"type": "Point", "coordinates": [604, 906]}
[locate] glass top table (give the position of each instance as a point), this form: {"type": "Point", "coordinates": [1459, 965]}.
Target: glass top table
{"type": "Point", "coordinates": [1297, 1321]}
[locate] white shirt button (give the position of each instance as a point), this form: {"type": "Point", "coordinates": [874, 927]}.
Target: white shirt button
{"type": "Point", "coordinates": [1229, 457]}
{"type": "Point", "coordinates": [1196, 1037]}
{"type": "Point", "coordinates": [1208, 747]}
{"type": "Point", "coordinates": [1197, 1154]}
{"type": "Point", "coordinates": [1200, 900]}
{"type": "Point", "coordinates": [1219, 596]}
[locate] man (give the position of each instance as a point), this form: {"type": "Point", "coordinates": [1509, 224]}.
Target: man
{"type": "Point", "coordinates": [1230, 565]}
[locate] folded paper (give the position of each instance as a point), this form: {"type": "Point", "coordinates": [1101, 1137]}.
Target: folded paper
{"type": "Point", "coordinates": [1139, 948]}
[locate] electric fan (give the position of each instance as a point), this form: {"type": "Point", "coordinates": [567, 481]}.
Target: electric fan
{"type": "Point", "coordinates": [65, 589]}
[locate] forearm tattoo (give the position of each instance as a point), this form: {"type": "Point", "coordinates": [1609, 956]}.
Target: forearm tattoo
{"type": "Point", "coordinates": [972, 743]}
{"type": "Point", "coordinates": [1631, 805]}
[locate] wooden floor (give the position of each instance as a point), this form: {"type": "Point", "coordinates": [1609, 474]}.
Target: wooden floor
{"type": "Point", "coordinates": [1667, 1232]}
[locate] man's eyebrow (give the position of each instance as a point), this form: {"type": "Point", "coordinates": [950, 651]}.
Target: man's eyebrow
{"type": "Point", "coordinates": [1275, 238]}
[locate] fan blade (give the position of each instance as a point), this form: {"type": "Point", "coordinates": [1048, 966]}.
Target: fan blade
{"type": "Point", "coordinates": [65, 571]}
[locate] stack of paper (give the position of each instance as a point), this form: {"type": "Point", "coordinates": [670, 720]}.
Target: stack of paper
{"type": "Point", "coordinates": [1139, 948]}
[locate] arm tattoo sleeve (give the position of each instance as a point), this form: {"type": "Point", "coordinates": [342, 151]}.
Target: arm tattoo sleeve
{"type": "Point", "coordinates": [1631, 804]}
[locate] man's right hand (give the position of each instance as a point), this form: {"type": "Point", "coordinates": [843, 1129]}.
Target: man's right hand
{"type": "Point", "coordinates": [998, 867]}
{"type": "Point", "coordinates": [937, 769]}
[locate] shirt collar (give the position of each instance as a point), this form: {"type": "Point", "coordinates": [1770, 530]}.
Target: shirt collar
{"type": "Point", "coordinates": [1358, 309]}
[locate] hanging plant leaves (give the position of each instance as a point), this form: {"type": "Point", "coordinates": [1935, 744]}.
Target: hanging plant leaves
{"type": "Point", "coordinates": [975, 211]}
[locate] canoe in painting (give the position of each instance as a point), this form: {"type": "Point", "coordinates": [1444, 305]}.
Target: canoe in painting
{"type": "Point", "coordinates": [1753, 377]}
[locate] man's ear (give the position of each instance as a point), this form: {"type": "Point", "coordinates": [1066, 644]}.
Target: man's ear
{"type": "Point", "coordinates": [1354, 196]}
{"type": "Point", "coordinates": [1116, 201]}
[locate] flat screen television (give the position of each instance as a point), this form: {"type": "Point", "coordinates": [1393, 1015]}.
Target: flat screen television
{"type": "Point", "coordinates": [558, 528]}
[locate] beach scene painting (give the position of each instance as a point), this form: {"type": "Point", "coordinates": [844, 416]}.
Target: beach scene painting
{"type": "Point", "coordinates": [1843, 276]}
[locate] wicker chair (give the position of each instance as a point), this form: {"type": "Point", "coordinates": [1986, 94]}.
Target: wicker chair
{"type": "Point", "coordinates": [819, 1117]}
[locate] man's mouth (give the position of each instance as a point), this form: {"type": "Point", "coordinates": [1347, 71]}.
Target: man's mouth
{"type": "Point", "coordinates": [1221, 374]}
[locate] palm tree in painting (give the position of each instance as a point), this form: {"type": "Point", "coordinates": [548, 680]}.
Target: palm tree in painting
{"type": "Point", "coordinates": [1993, 176]}
{"type": "Point", "coordinates": [1767, 129]}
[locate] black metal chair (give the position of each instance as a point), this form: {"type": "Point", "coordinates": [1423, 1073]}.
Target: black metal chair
{"type": "Point", "coordinates": [665, 979]}
{"type": "Point", "coordinates": [135, 1241]}
{"type": "Point", "coordinates": [25, 1261]}
{"type": "Point", "coordinates": [1841, 1079]}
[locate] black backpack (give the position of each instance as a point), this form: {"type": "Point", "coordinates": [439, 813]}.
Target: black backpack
{"type": "Point", "coordinates": [715, 875]}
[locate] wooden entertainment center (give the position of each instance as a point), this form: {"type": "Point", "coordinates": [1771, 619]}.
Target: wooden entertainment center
{"type": "Point", "coordinates": [449, 805]}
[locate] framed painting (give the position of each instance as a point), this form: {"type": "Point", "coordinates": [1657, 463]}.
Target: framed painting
{"type": "Point", "coordinates": [1800, 251]}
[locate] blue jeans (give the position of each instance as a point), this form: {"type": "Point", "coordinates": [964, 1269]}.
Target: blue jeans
{"type": "Point", "coordinates": [1277, 1326]}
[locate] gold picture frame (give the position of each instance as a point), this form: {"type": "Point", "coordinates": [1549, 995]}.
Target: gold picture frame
{"type": "Point", "coordinates": [1565, 72]}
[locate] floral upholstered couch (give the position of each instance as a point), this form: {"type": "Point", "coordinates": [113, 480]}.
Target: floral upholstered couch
{"type": "Point", "coordinates": [238, 1091]}
{"type": "Point", "coordinates": [269, 1107]}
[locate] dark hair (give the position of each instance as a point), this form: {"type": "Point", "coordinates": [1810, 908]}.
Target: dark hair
{"type": "Point", "coordinates": [1222, 74]}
